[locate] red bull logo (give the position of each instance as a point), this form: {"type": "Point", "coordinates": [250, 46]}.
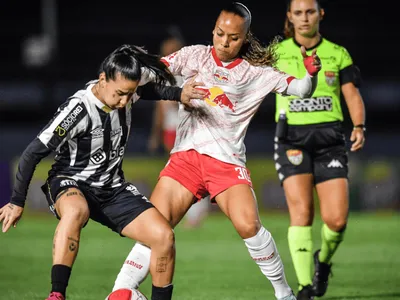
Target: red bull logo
{"type": "Point", "coordinates": [220, 77]}
{"type": "Point", "coordinates": [216, 96]}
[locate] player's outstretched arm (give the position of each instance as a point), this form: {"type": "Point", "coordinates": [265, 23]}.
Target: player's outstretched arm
{"type": "Point", "coordinates": [12, 212]}
{"type": "Point", "coordinates": [305, 87]}
{"type": "Point", "coordinates": [155, 91]}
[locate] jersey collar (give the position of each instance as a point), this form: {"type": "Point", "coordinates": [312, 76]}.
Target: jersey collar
{"type": "Point", "coordinates": [299, 45]}
{"type": "Point", "coordinates": [220, 64]}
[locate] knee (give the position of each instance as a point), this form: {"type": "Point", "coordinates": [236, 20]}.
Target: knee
{"type": "Point", "coordinates": [164, 238]}
{"type": "Point", "coordinates": [336, 223]}
{"type": "Point", "coordinates": [78, 214]}
{"type": "Point", "coordinates": [248, 229]}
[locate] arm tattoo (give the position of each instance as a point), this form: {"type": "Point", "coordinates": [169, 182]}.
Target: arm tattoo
{"type": "Point", "coordinates": [161, 264]}
{"type": "Point", "coordinates": [61, 193]}
{"type": "Point", "coordinates": [73, 244]}
{"type": "Point", "coordinates": [11, 206]}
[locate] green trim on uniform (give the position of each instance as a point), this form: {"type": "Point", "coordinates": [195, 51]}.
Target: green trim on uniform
{"type": "Point", "coordinates": [324, 106]}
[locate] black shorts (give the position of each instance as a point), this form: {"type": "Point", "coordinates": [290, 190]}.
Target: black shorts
{"type": "Point", "coordinates": [318, 149]}
{"type": "Point", "coordinates": [112, 207]}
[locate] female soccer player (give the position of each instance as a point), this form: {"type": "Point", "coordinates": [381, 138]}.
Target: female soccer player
{"type": "Point", "coordinates": [89, 134]}
{"type": "Point", "coordinates": [209, 153]}
{"type": "Point", "coordinates": [312, 151]}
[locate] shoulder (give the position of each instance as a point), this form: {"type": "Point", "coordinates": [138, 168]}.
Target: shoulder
{"type": "Point", "coordinates": [332, 47]}
{"type": "Point", "coordinates": [198, 49]}
{"type": "Point", "coordinates": [78, 102]}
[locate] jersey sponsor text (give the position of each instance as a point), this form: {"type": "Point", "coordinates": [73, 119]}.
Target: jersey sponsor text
{"type": "Point", "coordinates": [311, 104]}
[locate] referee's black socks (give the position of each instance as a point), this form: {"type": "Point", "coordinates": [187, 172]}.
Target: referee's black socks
{"type": "Point", "coordinates": [59, 278]}
{"type": "Point", "coordinates": [162, 293]}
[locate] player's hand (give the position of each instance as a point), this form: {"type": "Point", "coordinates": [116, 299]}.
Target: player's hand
{"type": "Point", "coordinates": [312, 62]}
{"type": "Point", "coordinates": [191, 91]}
{"type": "Point", "coordinates": [358, 139]}
{"type": "Point", "coordinates": [10, 215]}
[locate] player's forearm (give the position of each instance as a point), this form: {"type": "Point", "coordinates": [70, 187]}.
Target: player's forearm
{"type": "Point", "coordinates": [303, 88]}
{"type": "Point", "coordinates": [32, 155]}
{"type": "Point", "coordinates": [356, 109]}
{"type": "Point", "coordinates": [155, 91]}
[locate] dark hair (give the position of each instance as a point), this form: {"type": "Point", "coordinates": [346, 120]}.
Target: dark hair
{"type": "Point", "coordinates": [129, 61]}
{"type": "Point", "coordinates": [253, 50]}
{"type": "Point", "coordinates": [288, 30]}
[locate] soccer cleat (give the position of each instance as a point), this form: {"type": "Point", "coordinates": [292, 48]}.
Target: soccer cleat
{"type": "Point", "coordinates": [290, 297]}
{"type": "Point", "coordinates": [55, 296]}
{"type": "Point", "coordinates": [321, 274]}
{"type": "Point", "coordinates": [121, 294]}
{"type": "Point", "coordinates": [306, 293]}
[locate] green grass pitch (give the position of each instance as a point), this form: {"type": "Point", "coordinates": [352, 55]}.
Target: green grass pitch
{"type": "Point", "coordinates": [212, 261]}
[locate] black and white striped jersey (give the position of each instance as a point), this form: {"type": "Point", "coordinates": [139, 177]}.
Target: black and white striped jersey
{"type": "Point", "coordinates": [88, 138]}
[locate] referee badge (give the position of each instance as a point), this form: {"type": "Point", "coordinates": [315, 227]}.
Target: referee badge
{"type": "Point", "coordinates": [295, 156]}
{"type": "Point", "coordinates": [330, 77]}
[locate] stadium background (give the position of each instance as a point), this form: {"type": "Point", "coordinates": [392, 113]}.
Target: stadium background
{"type": "Point", "coordinates": [50, 48]}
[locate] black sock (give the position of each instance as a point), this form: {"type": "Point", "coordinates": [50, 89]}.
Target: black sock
{"type": "Point", "coordinates": [162, 293]}
{"type": "Point", "coordinates": [59, 278]}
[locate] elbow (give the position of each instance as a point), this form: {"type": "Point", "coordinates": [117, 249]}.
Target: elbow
{"type": "Point", "coordinates": [305, 94]}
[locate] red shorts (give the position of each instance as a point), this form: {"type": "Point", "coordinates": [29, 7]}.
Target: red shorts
{"type": "Point", "coordinates": [204, 175]}
{"type": "Point", "coordinates": [169, 138]}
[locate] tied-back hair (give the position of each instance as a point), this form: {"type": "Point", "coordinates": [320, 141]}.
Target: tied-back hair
{"type": "Point", "coordinates": [288, 29]}
{"type": "Point", "coordinates": [129, 61]}
{"type": "Point", "coordinates": [253, 51]}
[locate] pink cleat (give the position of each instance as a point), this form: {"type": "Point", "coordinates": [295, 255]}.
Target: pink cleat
{"type": "Point", "coordinates": [55, 296]}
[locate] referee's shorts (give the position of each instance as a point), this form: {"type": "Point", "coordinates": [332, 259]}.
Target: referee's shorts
{"type": "Point", "coordinates": [317, 149]}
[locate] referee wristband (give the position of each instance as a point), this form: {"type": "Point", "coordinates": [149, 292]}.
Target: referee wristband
{"type": "Point", "coordinates": [360, 126]}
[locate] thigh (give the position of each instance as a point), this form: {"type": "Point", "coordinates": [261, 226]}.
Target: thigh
{"type": "Point", "coordinates": [291, 160]}
{"type": "Point", "coordinates": [63, 192]}
{"type": "Point", "coordinates": [172, 199]}
{"type": "Point", "coordinates": [239, 204]}
{"type": "Point", "coordinates": [148, 228]}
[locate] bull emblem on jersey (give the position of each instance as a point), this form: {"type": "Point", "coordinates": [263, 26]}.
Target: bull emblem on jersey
{"type": "Point", "coordinates": [221, 76]}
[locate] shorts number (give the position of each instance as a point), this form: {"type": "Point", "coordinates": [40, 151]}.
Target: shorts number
{"type": "Point", "coordinates": [243, 174]}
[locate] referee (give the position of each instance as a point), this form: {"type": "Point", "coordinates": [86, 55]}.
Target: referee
{"type": "Point", "coordinates": [310, 149]}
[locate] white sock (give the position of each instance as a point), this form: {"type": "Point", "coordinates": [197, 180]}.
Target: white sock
{"type": "Point", "coordinates": [263, 251]}
{"type": "Point", "coordinates": [135, 268]}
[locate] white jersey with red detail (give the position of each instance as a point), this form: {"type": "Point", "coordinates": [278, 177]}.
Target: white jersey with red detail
{"type": "Point", "coordinates": [218, 124]}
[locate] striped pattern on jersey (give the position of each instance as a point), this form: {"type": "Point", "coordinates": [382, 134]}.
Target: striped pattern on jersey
{"type": "Point", "coordinates": [89, 142]}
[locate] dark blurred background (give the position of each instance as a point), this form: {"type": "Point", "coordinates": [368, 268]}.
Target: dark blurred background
{"type": "Point", "coordinates": [49, 49]}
